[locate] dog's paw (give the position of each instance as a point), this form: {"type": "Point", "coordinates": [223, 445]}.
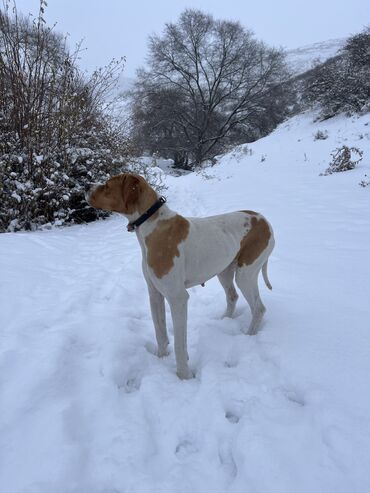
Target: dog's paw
{"type": "Point", "coordinates": [163, 352]}
{"type": "Point", "coordinates": [185, 374]}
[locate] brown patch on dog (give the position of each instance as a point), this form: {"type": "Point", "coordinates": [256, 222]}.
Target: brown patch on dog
{"type": "Point", "coordinates": [254, 242]}
{"type": "Point", "coordinates": [252, 213]}
{"type": "Point", "coordinates": [163, 244]}
{"type": "Point", "coordinates": [126, 193]}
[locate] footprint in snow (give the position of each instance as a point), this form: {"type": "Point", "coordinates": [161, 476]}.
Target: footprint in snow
{"type": "Point", "coordinates": [294, 396]}
{"type": "Point", "coordinates": [232, 417]}
{"type": "Point", "coordinates": [130, 384]}
{"type": "Point", "coordinates": [231, 363]}
{"type": "Point", "coordinates": [185, 448]}
{"type": "Point", "coordinates": [227, 460]}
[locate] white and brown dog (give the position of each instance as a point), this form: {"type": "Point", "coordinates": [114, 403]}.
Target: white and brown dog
{"type": "Point", "coordinates": [180, 252]}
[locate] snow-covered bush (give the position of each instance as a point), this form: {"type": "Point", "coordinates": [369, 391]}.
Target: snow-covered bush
{"type": "Point", "coordinates": [321, 135]}
{"type": "Point", "coordinates": [56, 128]}
{"type": "Point", "coordinates": [343, 159]}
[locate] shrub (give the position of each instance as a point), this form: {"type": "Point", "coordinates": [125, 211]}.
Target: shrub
{"type": "Point", "coordinates": [321, 135]}
{"type": "Point", "coordinates": [343, 159]}
{"type": "Point", "coordinates": [56, 127]}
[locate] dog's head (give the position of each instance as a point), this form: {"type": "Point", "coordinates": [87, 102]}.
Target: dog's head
{"type": "Point", "coordinates": [126, 193]}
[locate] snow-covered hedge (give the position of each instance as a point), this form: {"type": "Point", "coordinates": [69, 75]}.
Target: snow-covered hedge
{"type": "Point", "coordinates": [49, 189]}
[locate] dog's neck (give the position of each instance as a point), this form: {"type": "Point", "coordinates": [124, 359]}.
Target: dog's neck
{"type": "Point", "coordinates": [146, 199]}
{"type": "Point", "coordinates": [150, 224]}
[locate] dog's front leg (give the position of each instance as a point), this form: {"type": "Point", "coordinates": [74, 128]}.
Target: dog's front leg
{"type": "Point", "coordinates": [159, 319]}
{"type": "Point", "coordinates": [179, 310]}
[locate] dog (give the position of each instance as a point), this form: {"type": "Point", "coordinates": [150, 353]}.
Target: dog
{"type": "Point", "coordinates": [180, 252]}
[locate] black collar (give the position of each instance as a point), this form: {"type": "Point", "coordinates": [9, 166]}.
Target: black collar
{"type": "Point", "coordinates": [140, 220]}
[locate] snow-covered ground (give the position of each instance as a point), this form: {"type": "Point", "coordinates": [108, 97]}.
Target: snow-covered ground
{"type": "Point", "coordinates": [86, 407]}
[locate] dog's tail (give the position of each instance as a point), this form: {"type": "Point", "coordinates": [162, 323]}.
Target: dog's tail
{"type": "Point", "coordinates": [264, 274]}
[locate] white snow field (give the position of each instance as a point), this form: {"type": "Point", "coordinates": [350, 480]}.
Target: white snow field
{"type": "Point", "coordinates": [85, 405]}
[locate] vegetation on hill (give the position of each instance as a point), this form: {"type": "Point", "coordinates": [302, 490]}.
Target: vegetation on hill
{"type": "Point", "coordinates": [342, 83]}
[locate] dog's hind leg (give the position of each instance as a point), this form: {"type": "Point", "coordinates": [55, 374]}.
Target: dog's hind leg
{"type": "Point", "coordinates": [247, 281]}
{"type": "Point", "coordinates": [226, 278]}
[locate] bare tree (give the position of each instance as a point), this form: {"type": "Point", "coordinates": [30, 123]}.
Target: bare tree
{"type": "Point", "coordinates": [218, 75]}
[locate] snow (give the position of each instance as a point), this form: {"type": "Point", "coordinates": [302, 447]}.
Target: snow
{"type": "Point", "coordinates": [87, 407]}
{"type": "Point", "coordinates": [17, 197]}
{"type": "Point", "coordinates": [306, 57]}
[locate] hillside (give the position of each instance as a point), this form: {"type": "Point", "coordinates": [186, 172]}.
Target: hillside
{"type": "Point", "coordinates": [305, 57]}
{"type": "Point", "coordinates": [87, 407]}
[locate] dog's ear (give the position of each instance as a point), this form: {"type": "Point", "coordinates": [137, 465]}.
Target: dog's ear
{"type": "Point", "coordinates": [130, 193]}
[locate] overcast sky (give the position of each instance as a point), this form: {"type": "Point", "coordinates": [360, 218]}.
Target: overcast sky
{"type": "Point", "coordinates": [114, 28]}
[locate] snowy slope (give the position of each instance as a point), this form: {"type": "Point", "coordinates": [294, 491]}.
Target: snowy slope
{"type": "Point", "coordinates": [87, 408]}
{"type": "Point", "coordinates": [305, 57]}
